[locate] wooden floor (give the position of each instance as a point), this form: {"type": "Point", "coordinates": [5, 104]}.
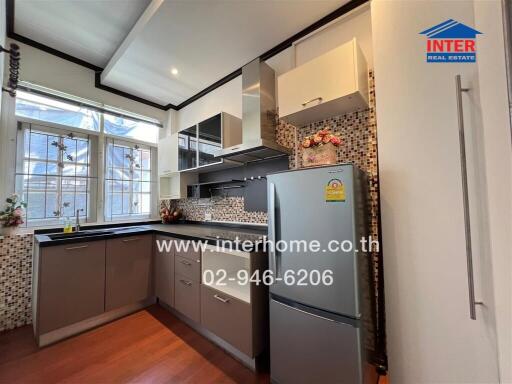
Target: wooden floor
{"type": "Point", "coordinates": [149, 346]}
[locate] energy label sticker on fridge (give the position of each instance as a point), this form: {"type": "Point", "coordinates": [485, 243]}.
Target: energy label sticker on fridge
{"type": "Point", "coordinates": [334, 191]}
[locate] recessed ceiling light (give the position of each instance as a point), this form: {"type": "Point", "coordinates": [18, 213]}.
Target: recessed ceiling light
{"type": "Point", "coordinates": [174, 71]}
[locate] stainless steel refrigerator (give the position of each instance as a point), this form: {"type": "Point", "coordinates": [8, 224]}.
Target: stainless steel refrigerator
{"type": "Point", "coordinates": [320, 333]}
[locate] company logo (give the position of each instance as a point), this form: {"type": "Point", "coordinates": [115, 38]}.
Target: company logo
{"type": "Point", "coordinates": [451, 42]}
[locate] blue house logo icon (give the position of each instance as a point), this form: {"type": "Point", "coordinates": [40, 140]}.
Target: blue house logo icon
{"type": "Point", "coordinates": [451, 42]}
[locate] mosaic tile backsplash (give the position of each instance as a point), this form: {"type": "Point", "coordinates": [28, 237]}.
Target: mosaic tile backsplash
{"type": "Point", "coordinates": [15, 281]}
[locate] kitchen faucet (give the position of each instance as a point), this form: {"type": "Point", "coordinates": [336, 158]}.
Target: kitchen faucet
{"type": "Point", "coordinates": [77, 225]}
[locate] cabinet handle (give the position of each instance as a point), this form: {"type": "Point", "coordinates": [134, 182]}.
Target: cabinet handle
{"type": "Point", "coordinates": [221, 299]}
{"type": "Point", "coordinates": [132, 239]}
{"type": "Point", "coordinates": [185, 263]}
{"type": "Point", "coordinates": [188, 283]}
{"type": "Point", "coordinates": [465, 199]}
{"type": "Point", "coordinates": [79, 247]}
{"type": "Point", "coordinates": [310, 101]}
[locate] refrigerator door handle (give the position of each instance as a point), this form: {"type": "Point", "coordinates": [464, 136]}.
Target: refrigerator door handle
{"type": "Point", "coordinates": [304, 312]}
{"type": "Point", "coordinates": [272, 228]}
{"type": "Point", "coordinates": [465, 199]}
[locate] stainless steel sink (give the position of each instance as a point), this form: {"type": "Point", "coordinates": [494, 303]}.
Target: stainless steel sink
{"type": "Point", "coordinates": [73, 235]}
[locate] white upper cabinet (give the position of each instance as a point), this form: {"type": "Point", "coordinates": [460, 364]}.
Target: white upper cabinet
{"type": "Point", "coordinates": [167, 159]}
{"type": "Point", "coordinates": [329, 85]}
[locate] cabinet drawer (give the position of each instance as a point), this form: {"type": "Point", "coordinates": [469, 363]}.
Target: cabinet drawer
{"type": "Point", "coordinates": [190, 253]}
{"type": "Point", "coordinates": [191, 269]}
{"type": "Point", "coordinates": [187, 297]}
{"type": "Point", "coordinates": [228, 318]}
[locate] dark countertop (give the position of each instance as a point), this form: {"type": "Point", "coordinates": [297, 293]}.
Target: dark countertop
{"type": "Point", "coordinates": [211, 233]}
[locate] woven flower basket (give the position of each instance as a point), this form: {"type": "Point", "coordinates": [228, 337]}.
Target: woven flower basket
{"type": "Point", "coordinates": [319, 155]}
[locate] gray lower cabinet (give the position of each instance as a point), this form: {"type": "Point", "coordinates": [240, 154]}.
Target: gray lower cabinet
{"type": "Point", "coordinates": [128, 270]}
{"type": "Point", "coordinates": [229, 318]}
{"type": "Point", "coordinates": [71, 284]}
{"type": "Point", "coordinates": [187, 283]}
{"type": "Point", "coordinates": [187, 297]}
{"type": "Point", "coordinates": [164, 269]}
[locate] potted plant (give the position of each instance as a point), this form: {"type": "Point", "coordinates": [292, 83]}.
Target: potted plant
{"type": "Point", "coordinates": [320, 148]}
{"type": "Point", "coordinates": [12, 216]}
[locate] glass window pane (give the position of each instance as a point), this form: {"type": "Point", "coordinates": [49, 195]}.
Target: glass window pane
{"type": "Point", "coordinates": [51, 110]}
{"type": "Point", "coordinates": [35, 205]}
{"type": "Point", "coordinates": [82, 151]}
{"type": "Point", "coordinates": [117, 204]}
{"type": "Point", "coordinates": [52, 205]}
{"type": "Point", "coordinates": [118, 156]}
{"type": "Point", "coordinates": [38, 146]}
{"type": "Point", "coordinates": [82, 170]}
{"type": "Point", "coordinates": [53, 151]}
{"type": "Point", "coordinates": [68, 205]}
{"type": "Point", "coordinates": [124, 127]}
{"type": "Point", "coordinates": [37, 167]}
{"type": "Point", "coordinates": [81, 202]}
{"type": "Point", "coordinates": [145, 187]}
{"type": "Point", "coordinates": [52, 169]}
{"type": "Point", "coordinates": [126, 204]}
{"type": "Point", "coordinates": [69, 169]}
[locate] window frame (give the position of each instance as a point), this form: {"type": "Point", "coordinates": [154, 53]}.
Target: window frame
{"type": "Point", "coordinates": [52, 129]}
{"type": "Point", "coordinates": [99, 139]}
{"type": "Point", "coordinates": [153, 163]}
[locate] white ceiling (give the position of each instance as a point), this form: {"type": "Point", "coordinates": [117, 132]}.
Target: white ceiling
{"type": "Point", "coordinates": [204, 39]}
{"type": "Point", "coordinates": [90, 30]}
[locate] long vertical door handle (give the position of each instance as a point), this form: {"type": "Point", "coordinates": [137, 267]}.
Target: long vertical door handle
{"type": "Point", "coordinates": [272, 227]}
{"type": "Point", "coordinates": [465, 198]}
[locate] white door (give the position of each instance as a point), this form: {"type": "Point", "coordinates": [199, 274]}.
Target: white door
{"type": "Point", "coordinates": [430, 335]}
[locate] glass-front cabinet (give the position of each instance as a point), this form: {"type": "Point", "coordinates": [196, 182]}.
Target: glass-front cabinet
{"type": "Point", "coordinates": [210, 140]}
{"type": "Point", "coordinates": [187, 148]}
{"type": "Point", "coordinates": [192, 151]}
{"type": "Point", "coordinates": [198, 145]}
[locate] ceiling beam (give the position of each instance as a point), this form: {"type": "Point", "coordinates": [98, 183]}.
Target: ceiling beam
{"type": "Point", "coordinates": [137, 28]}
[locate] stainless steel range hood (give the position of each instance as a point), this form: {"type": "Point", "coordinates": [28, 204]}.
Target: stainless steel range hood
{"type": "Point", "coordinates": [258, 116]}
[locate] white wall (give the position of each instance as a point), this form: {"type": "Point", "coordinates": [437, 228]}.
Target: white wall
{"type": "Point", "coordinates": [41, 68]}
{"type": "Point", "coordinates": [228, 97]}
{"type": "Point", "coordinates": [498, 156]}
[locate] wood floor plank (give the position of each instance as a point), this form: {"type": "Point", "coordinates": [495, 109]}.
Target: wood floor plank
{"type": "Point", "coordinates": [149, 346]}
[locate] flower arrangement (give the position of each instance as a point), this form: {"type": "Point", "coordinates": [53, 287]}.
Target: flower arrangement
{"type": "Point", "coordinates": [12, 215]}
{"type": "Point", "coordinates": [323, 136]}
{"type": "Point", "coordinates": [169, 215]}
{"type": "Point", "coordinates": [320, 148]}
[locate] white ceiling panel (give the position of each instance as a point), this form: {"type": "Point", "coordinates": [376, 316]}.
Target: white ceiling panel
{"type": "Point", "coordinates": [205, 41]}
{"type": "Point", "coordinates": [90, 30]}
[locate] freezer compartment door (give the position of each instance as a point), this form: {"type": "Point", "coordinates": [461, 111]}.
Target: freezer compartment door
{"type": "Point", "coordinates": [300, 210]}
{"type": "Point", "coordinates": [307, 348]}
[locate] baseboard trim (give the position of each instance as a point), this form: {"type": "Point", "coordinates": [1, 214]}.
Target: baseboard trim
{"type": "Point", "coordinates": [88, 324]}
